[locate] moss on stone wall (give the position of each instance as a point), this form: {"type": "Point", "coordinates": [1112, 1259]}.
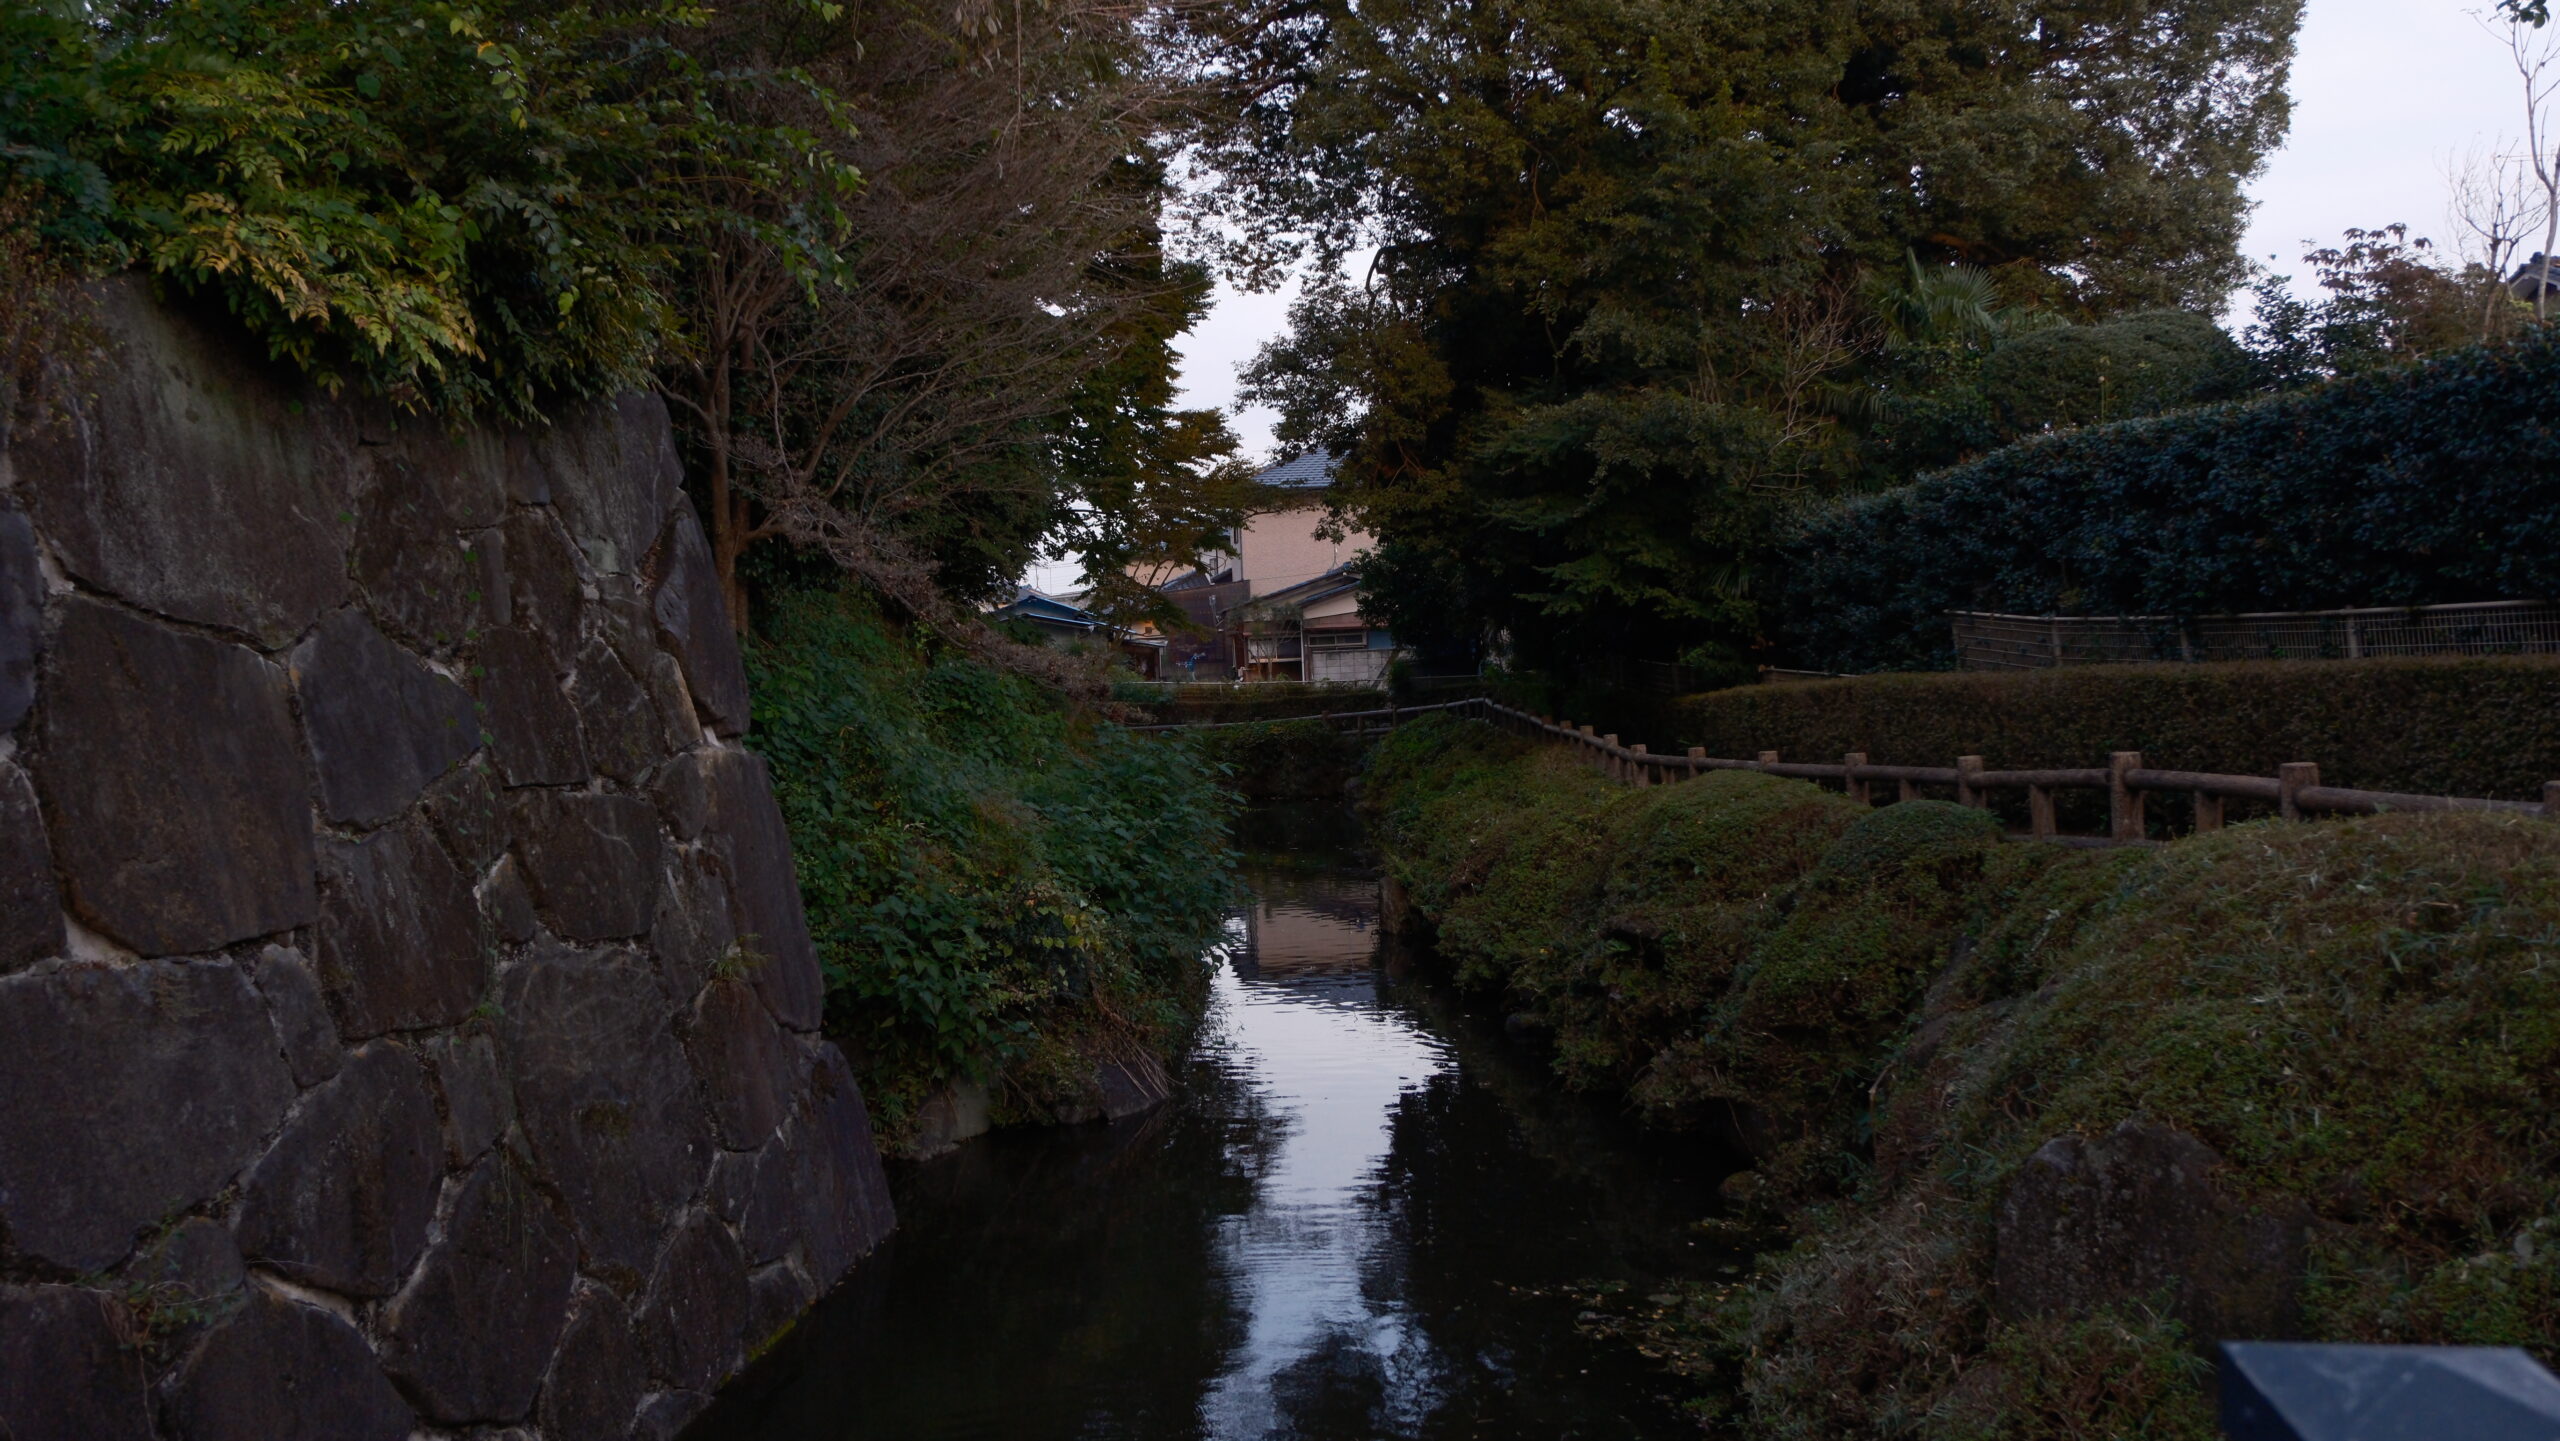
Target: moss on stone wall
{"type": "Point", "coordinates": [2027, 1125]}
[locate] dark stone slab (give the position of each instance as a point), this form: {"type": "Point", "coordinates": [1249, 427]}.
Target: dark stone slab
{"type": "Point", "coordinates": [542, 580]}
{"type": "Point", "coordinates": [694, 927]}
{"type": "Point", "coordinates": [466, 468]}
{"type": "Point", "coordinates": [134, 1092]}
{"type": "Point", "coordinates": [2140, 1211]}
{"type": "Point", "coordinates": [343, 1198]}
{"type": "Point", "coordinates": [682, 789]}
{"type": "Point", "coordinates": [597, 1376]}
{"type": "Point", "coordinates": [821, 1185]}
{"type": "Point", "coordinates": [466, 812]}
{"type": "Point", "coordinates": [21, 617]}
{"type": "Point", "coordinates": [613, 475]}
{"type": "Point", "coordinates": [66, 1371]}
{"type": "Point", "coordinates": [185, 481]}
{"type": "Point", "coordinates": [478, 1107]}
{"type": "Point", "coordinates": [533, 729]}
{"type": "Point", "coordinates": [776, 1298]}
{"type": "Point", "coordinates": [470, 1337]}
{"type": "Point", "coordinates": [407, 560]}
{"type": "Point", "coordinates": [507, 902]}
{"type": "Point", "coordinates": [1132, 1087]}
{"type": "Point", "coordinates": [30, 901]}
{"type": "Point", "coordinates": [2281, 1391]}
{"type": "Point", "coordinates": [623, 735]}
{"type": "Point", "coordinates": [401, 942]}
{"type": "Point", "coordinates": [301, 1014]}
{"type": "Point", "coordinates": [633, 631]}
{"type": "Point", "coordinates": [664, 1415]}
{"type": "Point", "coordinates": [693, 622]}
{"type": "Point", "coordinates": [592, 861]}
{"type": "Point", "coordinates": [749, 1068]}
{"type": "Point", "coordinates": [744, 827]}
{"type": "Point", "coordinates": [283, 1371]}
{"type": "Point", "coordinates": [484, 555]}
{"type": "Point", "coordinates": [382, 725]}
{"type": "Point", "coordinates": [528, 480]}
{"type": "Point", "coordinates": [696, 1309]}
{"type": "Point", "coordinates": [174, 785]}
{"type": "Point", "coordinates": [606, 1099]}
{"type": "Point", "coordinates": [733, 1185]}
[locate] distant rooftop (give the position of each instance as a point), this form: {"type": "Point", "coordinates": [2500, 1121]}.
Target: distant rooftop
{"type": "Point", "coordinates": [1312, 471]}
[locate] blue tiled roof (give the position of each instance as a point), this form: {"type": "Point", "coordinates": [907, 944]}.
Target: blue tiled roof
{"type": "Point", "coordinates": [1312, 471]}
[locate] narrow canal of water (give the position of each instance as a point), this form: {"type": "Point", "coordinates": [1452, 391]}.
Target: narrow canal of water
{"type": "Point", "coordinates": [1364, 1216]}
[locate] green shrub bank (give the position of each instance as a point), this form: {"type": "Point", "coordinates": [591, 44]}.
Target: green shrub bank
{"type": "Point", "coordinates": [2484, 727]}
{"type": "Point", "coordinates": [1261, 700]}
{"type": "Point", "coordinates": [1003, 888]}
{"type": "Point", "coordinates": [1893, 1010]}
{"type": "Point", "coordinates": [2437, 482]}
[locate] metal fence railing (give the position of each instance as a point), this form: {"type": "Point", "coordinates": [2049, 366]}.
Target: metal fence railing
{"type": "Point", "coordinates": [1986, 640]}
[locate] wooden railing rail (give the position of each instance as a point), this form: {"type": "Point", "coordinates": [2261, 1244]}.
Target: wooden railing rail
{"type": "Point", "coordinates": [2295, 790]}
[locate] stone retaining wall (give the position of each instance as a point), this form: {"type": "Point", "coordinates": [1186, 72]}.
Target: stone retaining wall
{"type": "Point", "coordinates": [407, 1019]}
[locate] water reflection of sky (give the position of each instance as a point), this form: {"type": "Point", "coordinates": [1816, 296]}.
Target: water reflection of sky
{"type": "Point", "coordinates": [1362, 1218]}
{"type": "Point", "coordinates": [1296, 1015]}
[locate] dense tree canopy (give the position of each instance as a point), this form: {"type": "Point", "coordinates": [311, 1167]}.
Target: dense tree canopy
{"type": "Point", "coordinates": [1594, 277]}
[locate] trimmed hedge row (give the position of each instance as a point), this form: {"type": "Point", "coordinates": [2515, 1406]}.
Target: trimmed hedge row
{"type": "Point", "coordinates": [2431, 484]}
{"type": "Point", "coordinates": [2479, 727]}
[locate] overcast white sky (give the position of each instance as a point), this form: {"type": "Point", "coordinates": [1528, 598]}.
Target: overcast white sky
{"type": "Point", "coordinates": [2384, 91]}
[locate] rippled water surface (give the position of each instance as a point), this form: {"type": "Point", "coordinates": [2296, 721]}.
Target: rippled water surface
{"type": "Point", "coordinates": [1364, 1217]}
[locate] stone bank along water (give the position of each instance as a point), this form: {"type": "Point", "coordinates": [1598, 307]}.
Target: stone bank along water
{"type": "Point", "coordinates": [1363, 1217]}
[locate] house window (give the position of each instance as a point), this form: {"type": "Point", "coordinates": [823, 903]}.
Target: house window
{"type": "Point", "coordinates": [1337, 640]}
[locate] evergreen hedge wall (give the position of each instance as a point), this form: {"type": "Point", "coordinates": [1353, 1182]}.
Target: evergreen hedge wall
{"type": "Point", "coordinates": [2431, 484]}
{"type": "Point", "coordinates": [2478, 727]}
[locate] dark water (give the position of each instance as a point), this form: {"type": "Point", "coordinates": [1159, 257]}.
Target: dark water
{"type": "Point", "coordinates": [1364, 1217]}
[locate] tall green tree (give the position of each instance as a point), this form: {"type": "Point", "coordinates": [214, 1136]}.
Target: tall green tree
{"type": "Point", "coordinates": [1610, 254]}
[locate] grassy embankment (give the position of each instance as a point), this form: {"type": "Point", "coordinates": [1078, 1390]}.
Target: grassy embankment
{"type": "Point", "coordinates": [1890, 1011]}
{"type": "Point", "coordinates": [1004, 888]}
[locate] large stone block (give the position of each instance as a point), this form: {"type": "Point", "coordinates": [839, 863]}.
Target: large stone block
{"type": "Point", "coordinates": [693, 621]}
{"type": "Point", "coordinates": [343, 1198]}
{"type": "Point", "coordinates": [134, 1092]}
{"type": "Point", "coordinates": [30, 902]}
{"type": "Point", "coordinates": [179, 802]}
{"type": "Point", "coordinates": [694, 927]}
{"type": "Point", "coordinates": [284, 1371]}
{"type": "Point", "coordinates": [401, 942]}
{"type": "Point", "coordinates": [597, 1377]}
{"type": "Point", "coordinates": [543, 594]}
{"type": "Point", "coordinates": [382, 724]}
{"type": "Point", "coordinates": [533, 729]}
{"type": "Point", "coordinates": [624, 738]}
{"type": "Point", "coordinates": [749, 1068]}
{"type": "Point", "coordinates": [592, 861]}
{"type": "Point", "coordinates": [2142, 1211]}
{"type": "Point", "coordinates": [189, 480]}
{"type": "Point", "coordinates": [465, 810]}
{"type": "Point", "coordinates": [613, 474]}
{"type": "Point", "coordinates": [408, 560]}
{"type": "Point", "coordinates": [606, 1099]}
{"type": "Point", "coordinates": [470, 1337]}
{"type": "Point", "coordinates": [478, 1106]}
{"type": "Point", "coordinates": [467, 469]}
{"type": "Point", "coordinates": [744, 826]}
{"type": "Point", "coordinates": [68, 1370]}
{"type": "Point", "coordinates": [820, 1186]}
{"type": "Point", "coordinates": [695, 1314]}
{"type": "Point", "coordinates": [21, 618]}
{"type": "Point", "coordinates": [301, 1013]}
